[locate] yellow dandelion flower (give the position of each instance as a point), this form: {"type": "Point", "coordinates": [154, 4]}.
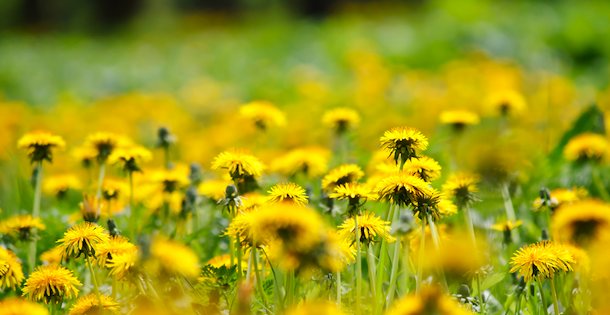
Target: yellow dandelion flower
{"type": "Point", "coordinates": [462, 187]}
{"type": "Point", "coordinates": [252, 201]}
{"type": "Point", "coordinates": [83, 238]}
{"type": "Point", "coordinates": [343, 174]}
{"type": "Point", "coordinates": [404, 143]}
{"type": "Point", "coordinates": [52, 256]}
{"type": "Point", "coordinates": [353, 191]}
{"type": "Point", "coordinates": [459, 119]}
{"type": "Point", "coordinates": [263, 114]}
{"type": "Point", "coordinates": [113, 189]}
{"type": "Point", "coordinates": [104, 143]}
{"type": "Point", "coordinates": [85, 155]}
{"type": "Point", "coordinates": [115, 245]}
{"type": "Point", "coordinates": [130, 158]}
{"type": "Point", "coordinates": [430, 300]}
{"type": "Point", "coordinates": [587, 147]}
{"type": "Point", "coordinates": [93, 304]}
{"type": "Point", "coordinates": [582, 222]}
{"type": "Point", "coordinates": [239, 164]}
{"type": "Point", "coordinates": [311, 161]}
{"type": "Point", "coordinates": [11, 274]}
{"type": "Point", "coordinates": [51, 284]}
{"type": "Point", "coordinates": [446, 207]}
{"type": "Point", "coordinates": [427, 205]}
{"type": "Point", "coordinates": [213, 188]}
{"type": "Point", "coordinates": [89, 208]}
{"type": "Point", "coordinates": [507, 225]}
{"type": "Point", "coordinates": [561, 196]}
{"type": "Point", "coordinates": [316, 307]}
{"type": "Point", "coordinates": [174, 258]}
{"type": "Point", "coordinates": [58, 185]}
{"type": "Point", "coordinates": [341, 119]}
{"type": "Point", "coordinates": [124, 264]}
{"type": "Point", "coordinates": [219, 261]}
{"type": "Point", "coordinates": [21, 227]}
{"type": "Point", "coordinates": [170, 179]}
{"type": "Point", "coordinates": [294, 226]}
{"type": "Point", "coordinates": [241, 228]}
{"type": "Point", "coordinates": [402, 188]}
{"type": "Point", "coordinates": [582, 262]}
{"type": "Point", "coordinates": [372, 228]}
{"type": "Point", "coordinates": [424, 167]}
{"type": "Point", "coordinates": [541, 260]}
{"type": "Point", "coordinates": [17, 306]}
{"type": "Point", "coordinates": [506, 102]}
{"type": "Point", "coordinates": [40, 145]}
{"type": "Point", "coordinates": [288, 192]}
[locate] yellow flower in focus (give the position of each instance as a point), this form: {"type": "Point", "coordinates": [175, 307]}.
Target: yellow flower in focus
{"type": "Point", "coordinates": [130, 158]}
{"type": "Point", "coordinates": [40, 145]}
{"type": "Point", "coordinates": [122, 265]}
{"type": "Point", "coordinates": [263, 114]}
{"type": "Point", "coordinates": [116, 245]}
{"type": "Point", "coordinates": [430, 300]}
{"type": "Point", "coordinates": [351, 191]}
{"type": "Point", "coordinates": [372, 228]}
{"type": "Point", "coordinates": [462, 187]}
{"type": "Point", "coordinates": [587, 147]}
{"type": "Point", "coordinates": [402, 188]}
{"type": "Point", "coordinates": [506, 102]}
{"type": "Point", "coordinates": [316, 307]}
{"type": "Point", "coordinates": [58, 185]}
{"type": "Point", "coordinates": [404, 143]}
{"type": "Point", "coordinates": [541, 260]}
{"type": "Point", "coordinates": [311, 161]}
{"type": "Point", "coordinates": [17, 306]}
{"type": "Point", "coordinates": [11, 274]}
{"type": "Point", "coordinates": [51, 284]}
{"type": "Point", "coordinates": [288, 192]}
{"type": "Point", "coordinates": [104, 144]}
{"type": "Point", "coordinates": [343, 174]}
{"type": "Point", "coordinates": [581, 222]}
{"type": "Point", "coordinates": [92, 304]}
{"type": "Point", "coordinates": [459, 119]}
{"type": "Point", "coordinates": [83, 238]}
{"type": "Point", "coordinates": [174, 258]}
{"type": "Point", "coordinates": [424, 167]}
{"type": "Point", "coordinates": [341, 119]}
{"type": "Point", "coordinates": [21, 227]}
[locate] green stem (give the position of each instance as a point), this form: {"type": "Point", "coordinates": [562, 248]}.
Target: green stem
{"type": "Point", "coordinates": [437, 246]}
{"type": "Point", "coordinates": [239, 260]}
{"type": "Point", "coordinates": [249, 270]}
{"type": "Point", "coordinates": [393, 273]}
{"type": "Point", "coordinates": [599, 184]}
{"type": "Point", "coordinates": [555, 300]}
{"type": "Point", "coordinates": [371, 262]}
{"type": "Point", "coordinates": [259, 279]}
{"type": "Point", "coordinates": [383, 258]}
{"type": "Point", "coordinates": [278, 295]}
{"type": "Point", "coordinates": [510, 210]}
{"type": "Point", "coordinates": [100, 183]}
{"type": "Point", "coordinates": [358, 266]}
{"type": "Point", "coordinates": [541, 289]}
{"type": "Point", "coordinates": [478, 277]}
{"type": "Point", "coordinates": [290, 288]}
{"type": "Point", "coordinates": [35, 214]}
{"type": "Point", "coordinates": [420, 263]}
{"type": "Point", "coordinates": [96, 287]}
{"type": "Point", "coordinates": [469, 225]}
{"type": "Point", "coordinates": [338, 285]}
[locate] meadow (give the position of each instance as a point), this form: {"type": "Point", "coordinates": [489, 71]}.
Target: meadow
{"type": "Point", "coordinates": [435, 158]}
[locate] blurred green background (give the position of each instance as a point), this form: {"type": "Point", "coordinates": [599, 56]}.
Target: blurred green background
{"type": "Point", "coordinates": [52, 49]}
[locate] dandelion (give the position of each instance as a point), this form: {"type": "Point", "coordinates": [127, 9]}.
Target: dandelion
{"type": "Point", "coordinates": [86, 155]}
{"type": "Point", "coordinates": [560, 196]}
{"type": "Point", "coordinates": [404, 143]}
{"type": "Point", "coordinates": [130, 158]}
{"type": "Point", "coordinates": [459, 119]}
{"type": "Point", "coordinates": [372, 228]}
{"type": "Point", "coordinates": [541, 260]}
{"type": "Point", "coordinates": [424, 167]}
{"type": "Point", "coordinates": [240, 229]}
{"type": "Point", "coordinates": [587, 147]}
{"type": "Point", "coordinates": [173, 258]}
{"type": "Point", "coordinates": [582, 222]}
{"type": "Point", "coordinates": [506, 102]}
{"type": "Point", "coordinates": [402, 188]}
{"type": "Point", "coordinates": [341, 119]}
{"type": "Point", "coordinates": [11, 274]}
{"type": "Point", "coordinates": [243, 168]}
{"type": "Point", "coordinates": [122, 265]}
{"type": "Point", "coordinates": [93, 304]}
{"type": "Point", "coordinates": [17, 306]}
{"type": "Point", "coordinates": [252, 202]}
{"type": "Point", "coordinates": [213, 188]}
{"type": "Point", "coordinates": [288, 192]}
{"type": "Point", "coordinates": [310, 161]}
{"type": "Point", "coordinates": [506, 227]}
{"type": "Point", "coordinates": [343, 174]}
{"type": "Point", "coordinates": [429, 300]}
{"type": "Point", "coordinates": [104, 144]}
{"type": "Point", "coordinates": [51, 284]}
{"type": "Point", "coordinates": [83, 239]}
{"type": "Point", "coordinates": [355, 193]}
{"type": "Point", "coordinates": [316, 307]}
{"type": "Point", "coordinates": [263, 114]}
{"type": "Point", "coordinates": [89, 208]}
{"type": "Point", "coordinates": [462, 187]}
{"type": "Point", "coordinates": [115, 245]}
{"type": "Point", "coordinates": [59, 185]}
{"type": "Point", "coordinates": [40, 145]}
{"type": "Point", "coordinates": [21, 227]}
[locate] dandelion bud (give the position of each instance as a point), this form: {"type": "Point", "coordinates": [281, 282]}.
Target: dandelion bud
{"type": "Point", "coordinates": [112, 228]}
{"type": "Point", "coordinates": [464, 291]}
{"type": "Point", "coordinates": [544, 235]}
{"type": "Point", "coordinates": [165, 138]}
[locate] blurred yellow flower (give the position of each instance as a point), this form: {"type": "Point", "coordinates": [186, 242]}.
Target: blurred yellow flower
{"type": "Point", "coordinates": [505, 102]}
{"type": "Point", "coordinates": [39, 145]}
{"type": "Point", "coordinates": [263, 114]}
{"type": "Point", "coordinates": [115, 245]}
{"type": "Point", "coordinates": [52, 256]}
{"type": "Point", "coordinates": [51, 284]}
{"type": "Point", "coordinates": [581, 222]}
{"type": "Point", "coordinates": [20, 227]}
{"type": "Point", "coordinates": [462, 187]}
{"type": "Point", "coordinates": [214, 188]}
{"type": "Point", "coordinates": [94, 304]}
{"type": "Point", "coordinates": [506, 225]}
{"type": "Point", "coordinates": [311, 161]}
{"type": "Point", "coordinates": [58, 185]}
{"type": "Point", "coordinates": [173, 258]}
{"type": "Point", "coordinates": [122, 265]}
{"type": "Point", "coordinates": [343, 174]}
{"type": "Point", "coordinates": [430, 300]}
{"type": "Point", "coordinates": [341, 119]}
{"type": "Point", "coordinates": [316, 307]}
{"type": "Point", "coordinates": [17, 306]}
{"type": "Point", "coordinates": [130, 158]}
{"type": "Point", "coordinates": [587, 146]}
{"type": "Point", "coordinates": [561, 196]}
{"type": "Point", "coordinates": [11, 274]}
{"type": "Point", "coordinates": [459, 118]}
{"type": "Point", "coordinates": [104, 144]}
{"type": "Point", "coordinates": [287, 192]}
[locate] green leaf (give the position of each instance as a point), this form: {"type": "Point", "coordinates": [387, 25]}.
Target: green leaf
{"type": "Point", "coordinates": [492, 280]}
